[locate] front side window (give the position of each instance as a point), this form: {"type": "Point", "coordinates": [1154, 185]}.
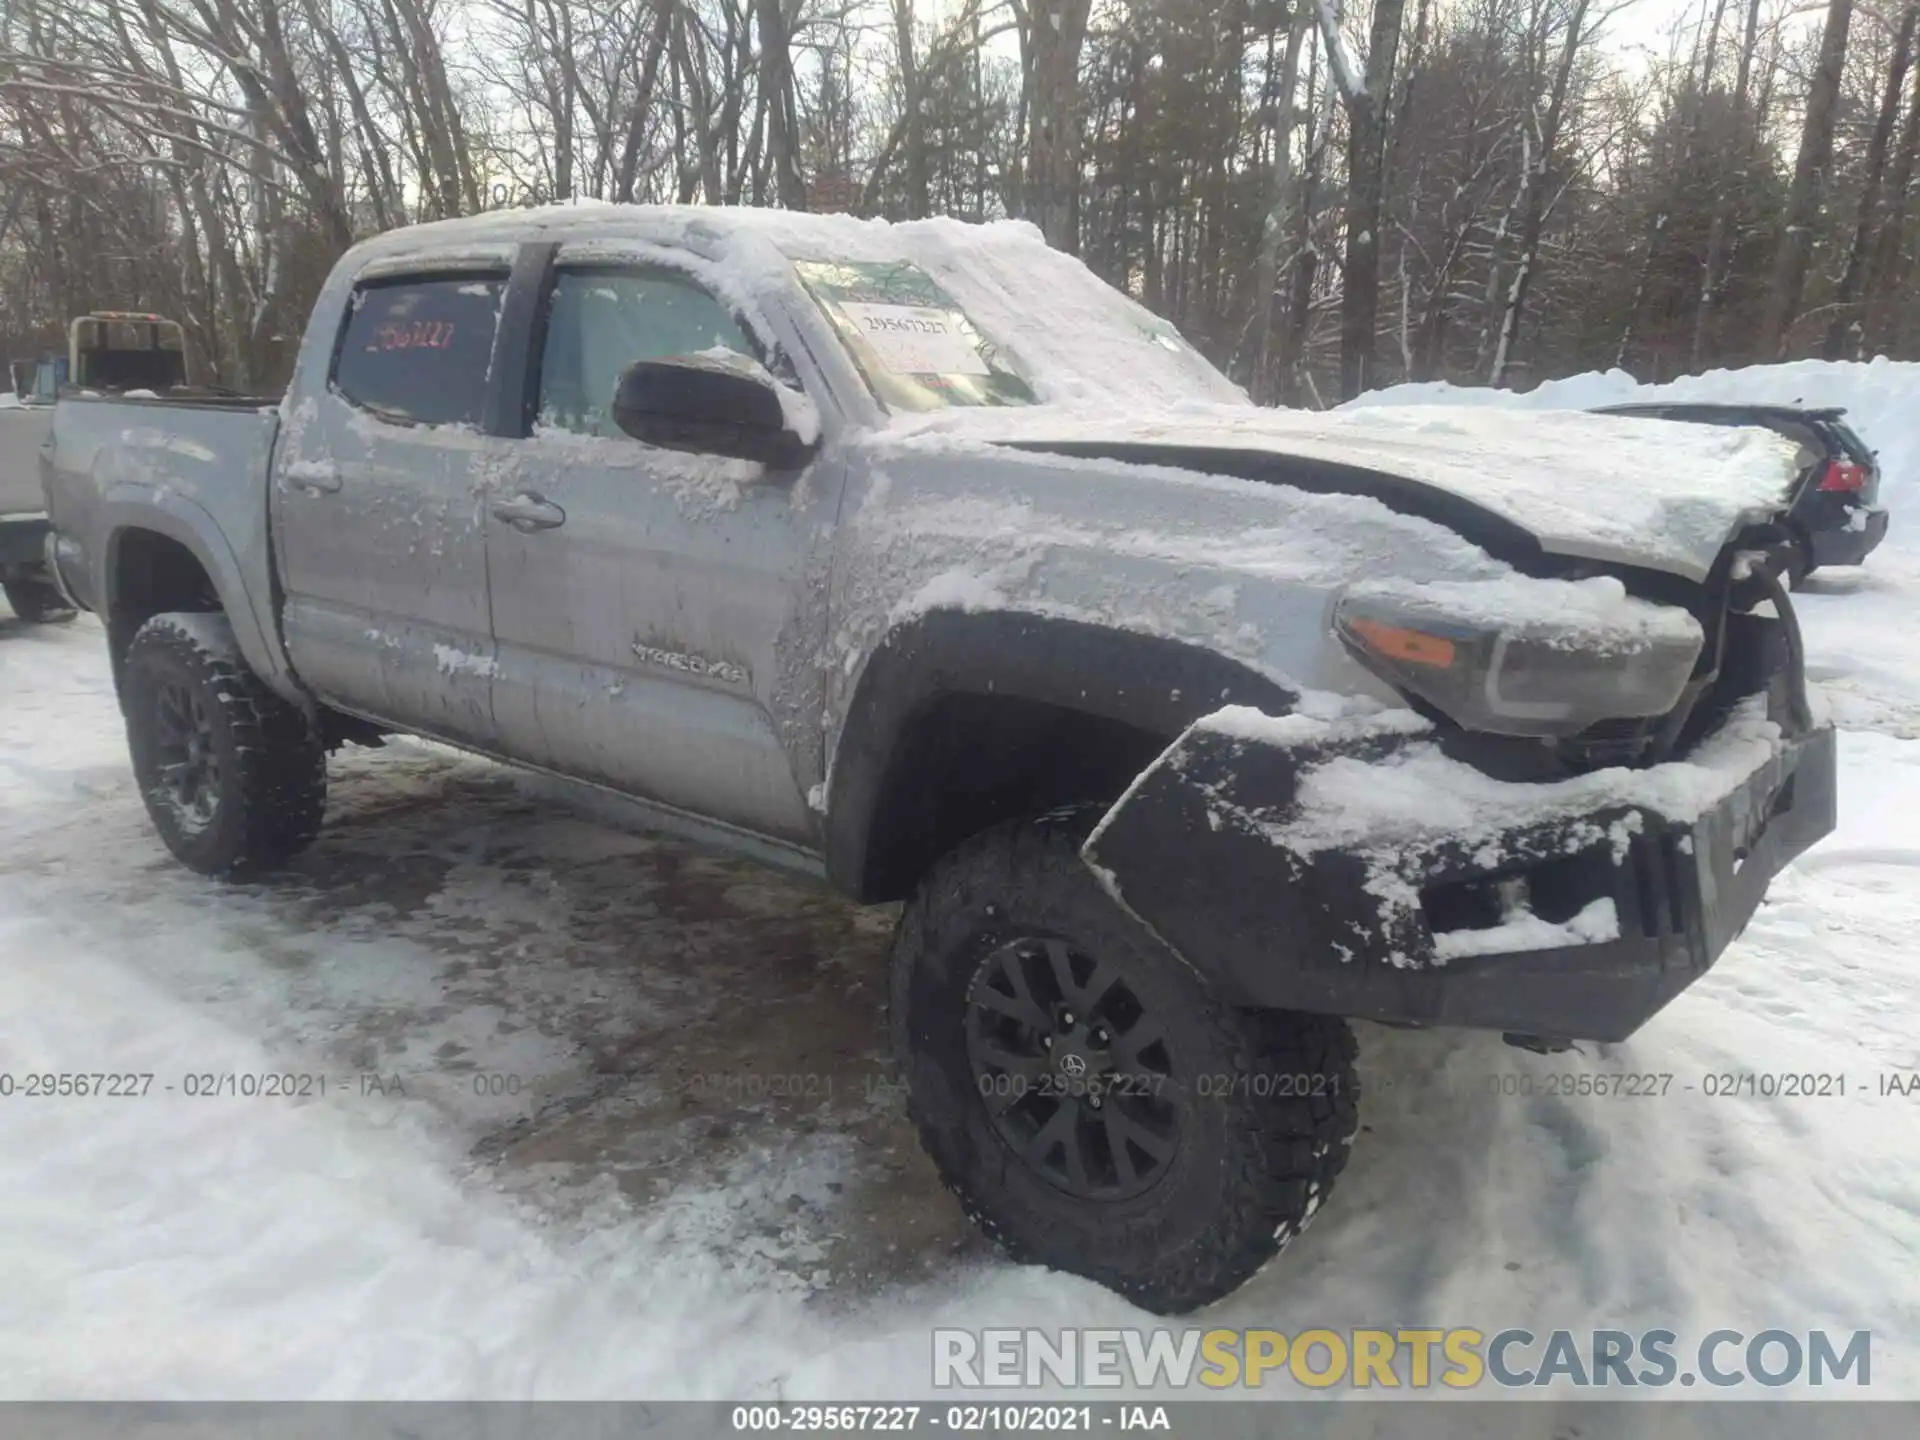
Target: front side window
{"type": "Point", "coordinates": [915, 346]}
{"type": "Point", "coordinates": [601, 321]}
{"type": "Point", "coordinates": [418, 351]}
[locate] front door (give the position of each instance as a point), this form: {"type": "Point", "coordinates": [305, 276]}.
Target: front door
{"type": "Point", "coordinates": [380, 508]}
{"type": "Point", "coordinates": [641, 596]}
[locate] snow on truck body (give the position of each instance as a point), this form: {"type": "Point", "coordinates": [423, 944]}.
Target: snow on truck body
{"type": "Point", "coordinates": [1127, 486]}
{"type": "Point", "coordinates": [1419, 716]}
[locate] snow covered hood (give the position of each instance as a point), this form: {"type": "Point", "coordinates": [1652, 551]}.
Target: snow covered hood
{"type": "Point", "coordinates": [1651, 493]}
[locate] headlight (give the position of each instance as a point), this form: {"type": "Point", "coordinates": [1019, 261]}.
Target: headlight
{"type": "Point", "coordinates": [1520, 656]}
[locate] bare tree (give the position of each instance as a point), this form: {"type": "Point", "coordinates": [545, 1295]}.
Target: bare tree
{"type": "Point", "coordinates": [1542, 135]}
{"type": "Point", "coordinates": [1794, 247]}
{"type": "Point", "coordinates": [1365, 96]}
{"type": "Point", "coordinates": [1710, 278]}
{"type": "Point", "coordinates": [1054, 33]}
{"type": "Point", "coordinates": [1888, 269]}
{"type": "Point", "coordinates": [1846, 314]}
{"type": "Point", "coordinates": [1276, 231]}
{"type": "Point", "coordinates": [1492, 174]}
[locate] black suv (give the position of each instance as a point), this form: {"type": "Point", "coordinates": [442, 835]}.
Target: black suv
{"type": "Point", "coordinates": [1836, 518]}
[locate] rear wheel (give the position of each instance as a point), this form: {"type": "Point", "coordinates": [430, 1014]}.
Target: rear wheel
{"type": "Point", "coordinates": [233, 776]}
{"type": "Point", "coordinates": [38, 601]}
{"type": "Point", "coordinates": [1799, 560]}
{"type": "Point", "coordinates": [1092, 1104]}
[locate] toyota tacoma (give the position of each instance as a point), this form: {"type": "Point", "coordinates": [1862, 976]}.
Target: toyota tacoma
{"type": "Point", "coordinates": [916, 557]}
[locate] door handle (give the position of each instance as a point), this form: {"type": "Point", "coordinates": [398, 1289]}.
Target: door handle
{"type": "Point", "coordinates": [528, 512]}
{"type": "Point", "coordinates": [315, 481]}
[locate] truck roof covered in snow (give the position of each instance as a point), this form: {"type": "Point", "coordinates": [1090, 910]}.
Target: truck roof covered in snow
{"type": "Point", "coordinates": [1108, 371]}
{"type": "Point", "coordinates": [1074, 337]}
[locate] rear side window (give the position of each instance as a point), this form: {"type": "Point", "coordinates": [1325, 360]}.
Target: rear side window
{"type": "Point", "coordinates": [1850, 442]}
{"type": "Point", "coordinates": [417, 351]}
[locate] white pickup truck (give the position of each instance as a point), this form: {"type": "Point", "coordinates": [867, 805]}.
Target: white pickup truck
{"type": "Point", "coordinates": [24, 428]}
{"type": "Point", "coordinates": [916, 557]}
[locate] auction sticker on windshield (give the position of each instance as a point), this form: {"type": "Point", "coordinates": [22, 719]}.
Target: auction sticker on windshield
{"type": "Point", "coordinates": [915, 339]}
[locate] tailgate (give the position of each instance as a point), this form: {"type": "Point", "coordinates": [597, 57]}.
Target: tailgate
{"type": "Point", "coordinates": [22, 430]}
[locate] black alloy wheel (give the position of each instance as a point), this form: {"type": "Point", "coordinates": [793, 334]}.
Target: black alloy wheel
{"type": "Point", "coordinates": [1074, 1070]}
{"type": "Point", "coordinates": [187, 758]}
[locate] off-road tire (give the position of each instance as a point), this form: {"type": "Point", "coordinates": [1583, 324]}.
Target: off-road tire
{"type": "Point", "coordinates": [268, 786]}
{"type": "Point", "coordinates": [1252, 1164]}
{"type": "Point", "coordinates": [38, 602]}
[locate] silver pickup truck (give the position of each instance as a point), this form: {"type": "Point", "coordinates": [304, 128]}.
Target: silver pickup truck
{"type": "Point", "coordinates": [917, 557]}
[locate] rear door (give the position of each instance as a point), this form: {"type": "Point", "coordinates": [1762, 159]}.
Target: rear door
{"type": "Point", "coordinates": [639, 594]}
{"type": "Point", "coordinates": [380, 503]}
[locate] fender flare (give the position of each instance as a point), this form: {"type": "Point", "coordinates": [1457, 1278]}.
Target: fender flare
{"type": "Point", "coordinates": [1150, 682]}
{"type": "Point", "coordinates": [128, 507]}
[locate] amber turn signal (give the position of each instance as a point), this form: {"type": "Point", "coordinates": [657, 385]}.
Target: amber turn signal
{"type": "Point", "coordinates": [1396, 643]}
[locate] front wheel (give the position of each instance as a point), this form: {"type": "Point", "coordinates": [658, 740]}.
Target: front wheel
{"type": "Point", "coordinates": [233, 776]}
{"type": "Point", "coordinates": [1089, 1100]}
{"type": "Point", "coordinates": [38, 602]}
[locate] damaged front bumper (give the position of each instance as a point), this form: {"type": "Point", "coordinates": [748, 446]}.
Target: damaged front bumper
{"type": "Point", "coordinates": [1355, 870]}
{"type": "Point", "coordinates": [1852, 542]}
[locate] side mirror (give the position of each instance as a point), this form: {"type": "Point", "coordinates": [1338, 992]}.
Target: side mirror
{"type": "Point", "coordinates": [716, 402]}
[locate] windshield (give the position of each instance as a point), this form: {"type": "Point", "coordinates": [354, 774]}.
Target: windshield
{"type": "Point", "coordinates": [1851, 442]}
{"type": "Point", "coordinates": [938, 314]}
{"type": "Point", "coordinates": [917, 349]}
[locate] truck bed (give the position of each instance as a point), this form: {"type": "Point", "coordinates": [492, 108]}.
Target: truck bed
{"type": "Point", "coordinates": [201, 459]}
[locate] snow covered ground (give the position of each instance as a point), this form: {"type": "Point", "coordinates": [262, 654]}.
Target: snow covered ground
{"type": "Point", "coordinates": [630, 1217]}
